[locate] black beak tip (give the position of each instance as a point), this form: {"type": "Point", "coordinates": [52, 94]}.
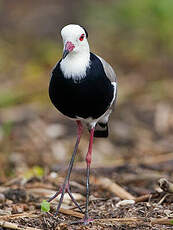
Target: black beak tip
{"type": "Point", "coordinates": [65, 53]}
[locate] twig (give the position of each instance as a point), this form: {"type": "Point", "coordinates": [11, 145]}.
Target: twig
{"type": "Point", "coordinates": [134, 220]}
{"type": "Point", "coordinates": [9, 225]}
{"type": "Point", "coordinates": [112, 187]}
{"type": "Point", "coordinates": [164, 221]}
{"type": "Point", "coordinates": [125, 220]}
{"type": "Point", "coordinates": [144, 198]}
{"type": "Point", "coordinates": [21, 215]}
{"type": "Point", "coordinates": [71, 213]}
{"type": "Point", "coordinates": [163, 198]}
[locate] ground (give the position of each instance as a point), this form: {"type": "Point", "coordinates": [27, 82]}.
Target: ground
{"type": "Point", "coordinates": [20, 201]}
{"type": "Point", "coordinates": [40, 143]}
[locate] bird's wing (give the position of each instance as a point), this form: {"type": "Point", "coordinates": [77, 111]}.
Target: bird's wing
{"type": "Point", "coordinates": [108, 70]}
{"type": "Point", "coordinates": [112, 77]}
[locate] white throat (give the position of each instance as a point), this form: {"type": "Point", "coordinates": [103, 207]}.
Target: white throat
{"type": "Point", "coordinates": [75, 64]}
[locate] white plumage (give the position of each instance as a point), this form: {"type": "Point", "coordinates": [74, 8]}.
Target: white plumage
{"type": "Point", "coordinates": [76, 63]}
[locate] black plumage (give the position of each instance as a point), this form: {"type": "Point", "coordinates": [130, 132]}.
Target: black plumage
{"type": "Point", "coordinates": [89, 97]}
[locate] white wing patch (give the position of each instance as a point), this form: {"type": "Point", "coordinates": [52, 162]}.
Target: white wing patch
{"type": "Point", "coordinates": [115, 90]}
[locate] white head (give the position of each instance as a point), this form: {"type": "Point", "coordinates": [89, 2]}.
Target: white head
{"type": "Point", "coordinates": [75, 39]}
{"type": "Point", "coordinates": [76, 51]}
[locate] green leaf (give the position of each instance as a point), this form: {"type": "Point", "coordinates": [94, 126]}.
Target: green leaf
{"type": "Point", "coordinates": [38, 171]}
{"type": "Point", "coordinates": [45, 206]}
{"type": "Point", "coordinates": [171, 221]}
{"type": "Point", "coordinates": [35, 171]}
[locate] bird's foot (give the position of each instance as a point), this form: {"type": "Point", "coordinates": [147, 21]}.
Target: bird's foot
{"type": "Point", "coordinates": [65, 188]}
{"type": "Point", "coordinates": [84, 221]}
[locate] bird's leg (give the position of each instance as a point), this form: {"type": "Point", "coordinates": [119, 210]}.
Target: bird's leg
{"type": "Point", "coordinates": [88, 162]}
{"type": "Point", "coordinates": [86, 220]}
{"type": "Point", "coordinates": [65, 187]}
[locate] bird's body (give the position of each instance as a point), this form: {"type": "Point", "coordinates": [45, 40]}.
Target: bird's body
{"type": "Point", "coordinates": [83, 88]}
{"type": "Point", "coordinates": [86, 99]}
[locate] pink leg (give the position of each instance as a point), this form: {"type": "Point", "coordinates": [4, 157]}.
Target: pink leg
{"type": "Point", "coordinates": [65, 186]}
{"type": "Point", "coordinates": [86, 218]}
{"type": "Point", "coordinates": [89, 153]}
{"type": "Point", "coordinates": [88, 161]}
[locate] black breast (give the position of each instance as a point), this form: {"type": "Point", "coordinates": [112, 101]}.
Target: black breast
{"type": "Point", "coordinates": [89, 97]}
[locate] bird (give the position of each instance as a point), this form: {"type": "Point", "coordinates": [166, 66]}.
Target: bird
{"type": "Point", "coordinates": [83, 87]}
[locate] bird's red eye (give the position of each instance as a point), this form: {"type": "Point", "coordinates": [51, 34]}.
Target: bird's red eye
{"type": "Point", "coordinates": [82, 37]}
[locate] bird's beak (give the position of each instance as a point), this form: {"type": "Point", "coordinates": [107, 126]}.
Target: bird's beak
{"type": "Point", "coordinates": [68, 48]}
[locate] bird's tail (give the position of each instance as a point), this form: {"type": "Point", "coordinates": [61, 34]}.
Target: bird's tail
{"type": "Point", "coordinates": [101, 130]}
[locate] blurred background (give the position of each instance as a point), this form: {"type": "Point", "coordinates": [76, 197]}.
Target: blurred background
{"type": "Point", "coordinates": [135, 37]}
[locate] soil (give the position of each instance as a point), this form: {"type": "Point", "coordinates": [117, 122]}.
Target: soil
{"type": "Point", "coordinates": [20, 201]}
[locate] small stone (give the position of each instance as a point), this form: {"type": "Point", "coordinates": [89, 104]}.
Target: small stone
{"type": "Point", "coordinates": [124, 203]}
{"type": "Point", "coordinates": [53, 175]}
